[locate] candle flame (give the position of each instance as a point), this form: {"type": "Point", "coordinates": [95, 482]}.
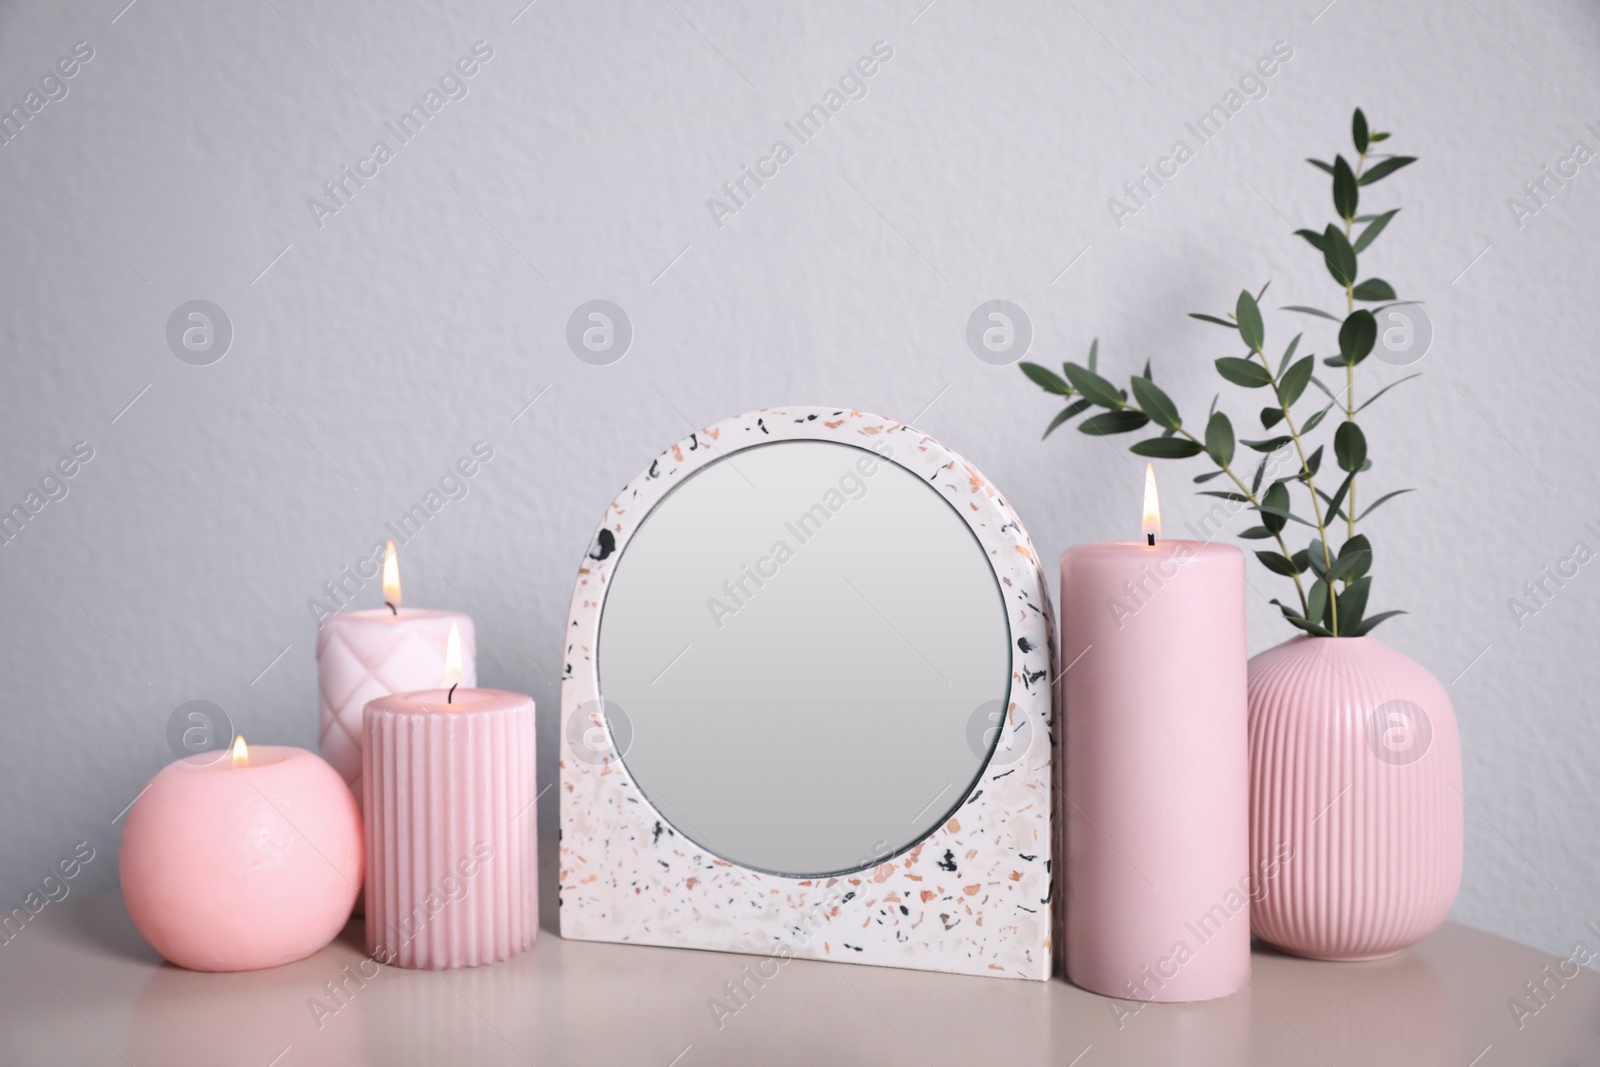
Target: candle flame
{"type": "Point", "coordinates": [1152, 504]}
{"type": "Point", "coordinates": [452, 656]}
{"type": "Point", "coordinates": [391, 575]}
{"type": "Point", "coordinates": [241, 752]}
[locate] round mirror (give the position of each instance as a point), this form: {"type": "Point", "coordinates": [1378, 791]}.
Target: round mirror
{"type": "Point", "coordinates": [803, 656]}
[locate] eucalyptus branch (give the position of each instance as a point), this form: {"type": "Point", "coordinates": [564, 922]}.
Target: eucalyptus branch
{"type": "Point", "coordinates": [1286, 393]}
{"type": "Point", "coordinates": [1336, 600]}
{"type": "Point", "coordinates": [1250, 498]}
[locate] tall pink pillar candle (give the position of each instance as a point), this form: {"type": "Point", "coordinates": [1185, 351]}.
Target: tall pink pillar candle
{"type": "Point", "coordinates": [1158, 883]}
{"type": "Point", "coordinates": [362, 655]}
{"type": "Point", "coordinates": [452, 856]}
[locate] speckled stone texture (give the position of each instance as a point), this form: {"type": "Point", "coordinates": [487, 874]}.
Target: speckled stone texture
{"type": "Point", "coordinates": [973, 898]}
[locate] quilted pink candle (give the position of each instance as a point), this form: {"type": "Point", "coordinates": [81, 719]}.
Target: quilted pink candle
{"type": "Point", "coordinates": [244, 862]}
{"type": "Point", "coordinates": [366, 654]}
{"type": "Point", "coordinates": [452, 856]}
{"type": "Point", "coordinates": [1158, 879]}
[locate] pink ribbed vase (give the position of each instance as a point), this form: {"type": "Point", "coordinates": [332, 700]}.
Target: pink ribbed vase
{"type": "Point", "coordinates": [452, 858]}
{"type": "Point", "coordinates": [1355, 783]}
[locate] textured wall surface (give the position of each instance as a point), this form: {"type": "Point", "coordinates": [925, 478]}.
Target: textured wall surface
{"type": "Point", "coordinates": [377, 338]}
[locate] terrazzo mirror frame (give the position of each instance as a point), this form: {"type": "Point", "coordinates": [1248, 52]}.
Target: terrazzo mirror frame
{"type": "Point", "coordinates": [975, 896]}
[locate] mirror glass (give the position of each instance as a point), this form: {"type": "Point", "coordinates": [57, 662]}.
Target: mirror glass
{"type": "Point", "coordinates": [804, 657]}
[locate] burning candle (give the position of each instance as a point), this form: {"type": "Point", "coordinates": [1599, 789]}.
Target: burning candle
{"type": "Point", "coordinates": [1156, 822]}
{"type": "Point", "coordinates": [242, 863]}
{"type": "Point", "coordinates": [362, 655]}
{"type": "Point", "coordinates": [452, 858]}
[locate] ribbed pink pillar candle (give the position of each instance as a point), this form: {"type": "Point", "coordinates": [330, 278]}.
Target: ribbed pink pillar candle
{"type": "Point", "coordinates": [362, 655]}
{"type": "Point", "coordinates": [452, 858]}
{"type": "Point", "coordinates": [1158, 880]}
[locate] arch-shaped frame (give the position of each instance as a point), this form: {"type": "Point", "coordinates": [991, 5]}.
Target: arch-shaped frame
{"type": "Point", "coordinates": [974, 897]}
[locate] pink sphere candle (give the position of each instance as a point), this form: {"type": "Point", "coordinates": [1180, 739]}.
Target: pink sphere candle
{"type": "Point", "coordinates": [1158, 879]}
{"type": "Point", "coordinates": [240, 863]}
{"type": "Point", "coordinates": [452, 865]}
{"type": "Point", "coordinates": [362, 655]}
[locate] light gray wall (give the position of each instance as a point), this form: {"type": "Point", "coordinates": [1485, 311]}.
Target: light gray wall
{"type": "Point", "coordinates": [426, 313]}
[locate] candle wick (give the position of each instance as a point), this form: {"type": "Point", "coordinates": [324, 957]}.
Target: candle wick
{"type": "Point", "coordinates": [1150, 539]}
{"type": "Point", "coordinates": [450, 697]}
{"type": "Point", "coordinates": [392, 609]}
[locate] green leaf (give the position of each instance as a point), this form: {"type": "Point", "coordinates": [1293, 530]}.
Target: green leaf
{"type": "Point", "coordinates": [1314, 461]}
{"type": "Point", "coordinates": [1386, 388]}
{"type": "Point", "coordinates": [1317, 600]}
{"type": "Point", "coordinates": [1255, 485]}
{"type": "Point", "coordinates": [1201, 479]}
{"type": "Point", "coordinates": [1092, 386]}
{"type": "Point", "coordinates": [1320, 165]}
{"type": "Point", "coordinates": [1155, 403]}
{"type": "Point", "coordinates": [1353, 603]}
{"type": "Point", "coordinates": [1270, 417]}
{"type": "Point", "coordinates": [1212, 318]}
{"type": "Point", "coordinates": [1370, 508]}
{"type": "Point", "coordinates": [1276, 504]}
{"type": "Point", "coordinates": [1165, 448]}
{"type": "Point", "coordinates": [1248, 314]}
{"type": "Point", "coordinates": [1315, 419]}
{"type": "Point", "coordinates": [1094, 355]}
{"type": "Point", "coordinates": [1269, 444]}
{"type": "Point", "coordinates": [1338, 255]}
{"type": "Point", "coordinates": [1225, 494]}
{"type": "Point", "coordinates": [1275, 507]}
{"type": "Point", "coordinates": [1349, 446]}
{"type": "Point", "coordinates": [1376, 137]}
{"type": "Point", "coordinates": [1386, 168]}
{"type": "Point", "coordinates": [1345, 195]}
{"type": "Point", "coordinates": [1047, 379]}
{"type": "Point", "coordinates": [1358, 543]}
{"type": "Point", "coordinates": [1110, 422]}
{"type": "Point", "coordinates": [1357, 336]}
{"type": "Point", "coordinates": [1295, 379]}
{"type": "Point", "coordinates": [1314, 629]}
{"type": "Point", "coordinates": [1367, 625]}
{"type": "Point", "coordinates": [1309, 627]}
{"type": "Point", "coordinates": [1302, 560]}
{"type": "Point", "coordinates": [1243, 372]}
{"type": "Point", "coordinates": [1358, 131]}
{"type": "Point", "coordinates": [1311, 311]}
{"type": "Point", "coordinates": [1288, 353]}
{"type": "Point", "coordinates": [1346, 565]}
{"type": "Point", "coordinates": [1072, 410]}
{"type": "Point", "coordinates": [1337, 499]}
{"type": "Point", "coordinates": [1374, 228]}
{"type": "Point", "coordinates": [1373, 289]}
{"type": "Point", "coordinates": [1315, 556]}
{"type": "Point", "coordinates": [1277, 563]}
{"type": "Point", "coordinates": [1219, 439]}
{"type": "Point", "coordinates": [1312, 237]}
{"type": "Point", "coordinates": [1255, 533]}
